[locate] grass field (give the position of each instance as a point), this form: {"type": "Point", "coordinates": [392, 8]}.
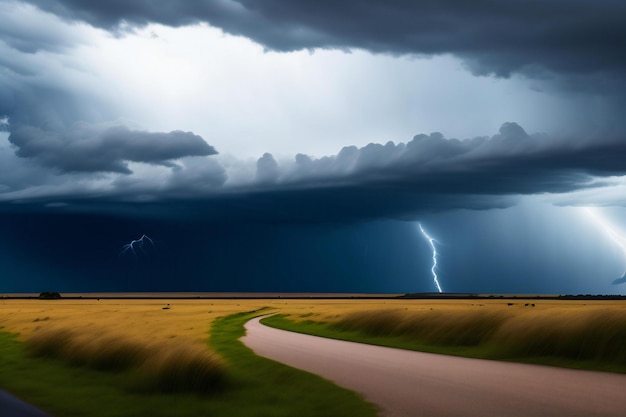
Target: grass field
{"type": "Point", "coordinates": [132, 357]}
{"type": "Point", "coordinates": [576, 334]}
{"type": "Point", "coordinates": [114, 358]}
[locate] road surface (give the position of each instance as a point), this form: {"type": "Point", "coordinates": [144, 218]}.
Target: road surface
{"type": "Point", "coordinates": [13, 407]}
{"type": "Point", "coordinates": [414, 384]}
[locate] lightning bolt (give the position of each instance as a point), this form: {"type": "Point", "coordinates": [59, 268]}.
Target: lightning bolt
{"type": "Point", "coordinates": [139, 243]}
{"type": "Point", "coordinates": [434, 267]}
{"type": "Point", "coordinates": [611, 231]}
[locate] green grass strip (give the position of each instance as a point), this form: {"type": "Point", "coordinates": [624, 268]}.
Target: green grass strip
{"type": "Point", "coordinates": [329, 330]}
{"type": "Point", "coordinates": [274, 389]}
{"type": "Point", "coordinates": [255, 386]}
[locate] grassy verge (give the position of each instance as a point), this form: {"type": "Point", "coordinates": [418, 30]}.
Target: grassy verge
{"type": "Point", "coordinates": [591, 340]}
{"type": "Point", "coordinates": [251, 386]}
{"type": "Point", "coordinates": [273, 389]}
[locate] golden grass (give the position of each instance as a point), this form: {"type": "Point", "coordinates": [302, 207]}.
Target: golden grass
{"type": "Point", "coordinates": [180, 368]}
{"type": "Point", "coordinates": [168, 366]}
{"type": "Point", "coordinates": [95, 348]}
{"type": "Point", "coordinates": [594, 334]}
{"type": "Point", "coordinates": [456, 328]}
{"type": "Point", "coordinates": [161, 350]}
{"type": "Point", "coordinates": [190, 320]}
{"type": "Point", "coordinates": [143, 319]}
{"type": "Point", "coordinates": [574, 329]}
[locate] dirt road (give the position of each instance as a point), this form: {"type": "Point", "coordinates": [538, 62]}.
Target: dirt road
{"type": "Point", "coordinates": [414, 384]}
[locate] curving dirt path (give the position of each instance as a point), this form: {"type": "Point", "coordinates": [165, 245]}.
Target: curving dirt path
{"type": "Point", "coordinates": [14, 407]}
{"type": "Point", "coordinates": [414, 384]}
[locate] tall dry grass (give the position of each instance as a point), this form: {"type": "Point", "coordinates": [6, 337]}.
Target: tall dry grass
{"type": "Point", "coordinates": [99, 350]}
{"type": "Point", "coordinates": [456, 328]}
{"type": "Point", "coordinates": [571, 329]}
{"type": "Point", "coordinates": [181, 368]}
{"type": "Point", "coordinates": [598, 335]}
{"type": "Point", "coordinates": [591, 334]}
{"type": "Point", "coordinates": [165, 366]}
{"type": "Point", "coordinates": [156, 349]}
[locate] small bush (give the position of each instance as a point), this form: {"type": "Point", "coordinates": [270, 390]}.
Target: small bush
{"type": "Point", "coordinates": [181, 368]}
{"type": "Point", "coordinates": [49, 295]}
{"type": "Point", "coordinates": [165, 367]}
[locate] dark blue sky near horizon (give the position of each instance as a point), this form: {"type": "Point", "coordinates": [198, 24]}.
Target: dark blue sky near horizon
{"type": "Point", "coordinates": [494, 251]}
{"type": "Point", "coordinates": [279, 146]}
{"type": "Point", "coordinates": [83, 253]}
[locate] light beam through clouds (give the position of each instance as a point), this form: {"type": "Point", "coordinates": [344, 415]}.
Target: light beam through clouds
{"type": "Point", "coordinates": [136, 243]}
{"type": "Point", "coordinates": [611, 231]}
{"type": "Point", "coordinates": [434, 267]}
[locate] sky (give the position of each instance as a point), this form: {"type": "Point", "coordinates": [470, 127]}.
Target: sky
{"type": "Point", "coordinates": [275, 145]}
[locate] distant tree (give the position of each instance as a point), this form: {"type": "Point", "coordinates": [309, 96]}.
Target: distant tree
{"type": "Point", "coordinates": [49, 295]}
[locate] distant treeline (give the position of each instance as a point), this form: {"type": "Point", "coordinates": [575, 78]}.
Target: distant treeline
{"type": "Point", "coordinates": [456, 296]}
{"type": "Point", "coordinates": [51, 295]}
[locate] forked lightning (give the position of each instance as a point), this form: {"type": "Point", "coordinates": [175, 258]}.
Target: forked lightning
{"type": "Point", "coordinates": [434, 267]}
{"type": "Point", "coordinates": [139, 243]}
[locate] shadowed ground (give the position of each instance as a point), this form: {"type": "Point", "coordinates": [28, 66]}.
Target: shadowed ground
{"type": "Point", "coordinates": [13, 407]}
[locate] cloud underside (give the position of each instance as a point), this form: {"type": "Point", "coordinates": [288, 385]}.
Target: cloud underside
{"type": "Point", "coordinates": [88, 148]}
{"type": "Point", "coordinates": [428, 174]}
{"type": "Point", "coordinates": [493, 37]}
{"type": "Point", "coordinates": [56, 161]}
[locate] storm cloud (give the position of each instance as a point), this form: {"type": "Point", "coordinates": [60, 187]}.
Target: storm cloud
{"type": "Point", "coordinates": [64, 148]}
{"type": "Point", "coordinates": [510, 162]}
{"type": "Point", "coordinates": [112, 113]}
{"type": "Point", "coordinates": [494, 37]}
{"type": "Point", "coordinates": [428, 174]}
{"type": "Point", "coordinates": [27, 31]}
{"type": "Point", "coordinates": [88, 148]}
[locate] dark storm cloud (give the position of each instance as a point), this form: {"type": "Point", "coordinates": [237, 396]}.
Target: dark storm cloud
{"type": "Point", "coordinates": [500, 37]}
{"type": "Point", "coordinates": [267, 169]}
{"type": "Point", "coordinates": [193, 176]}
{"type": "Point", "coordinates": [91, 148]}
{"type": "Point", "coordinates": [28, 31]}
{"type": "Point", "coordinates": [404, 181]}
{"type": "Point", "coordinates": [510, 162]}
{"type": "Point", "coordinates": [197, 175]}
{"type": "Point", "coordinates": [428, 174]}
{"type": "Point", "coordinates": [35, 91]}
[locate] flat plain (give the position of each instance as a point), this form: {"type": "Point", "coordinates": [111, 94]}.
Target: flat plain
{"type": "Point", "coordinates": [445, 326]}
